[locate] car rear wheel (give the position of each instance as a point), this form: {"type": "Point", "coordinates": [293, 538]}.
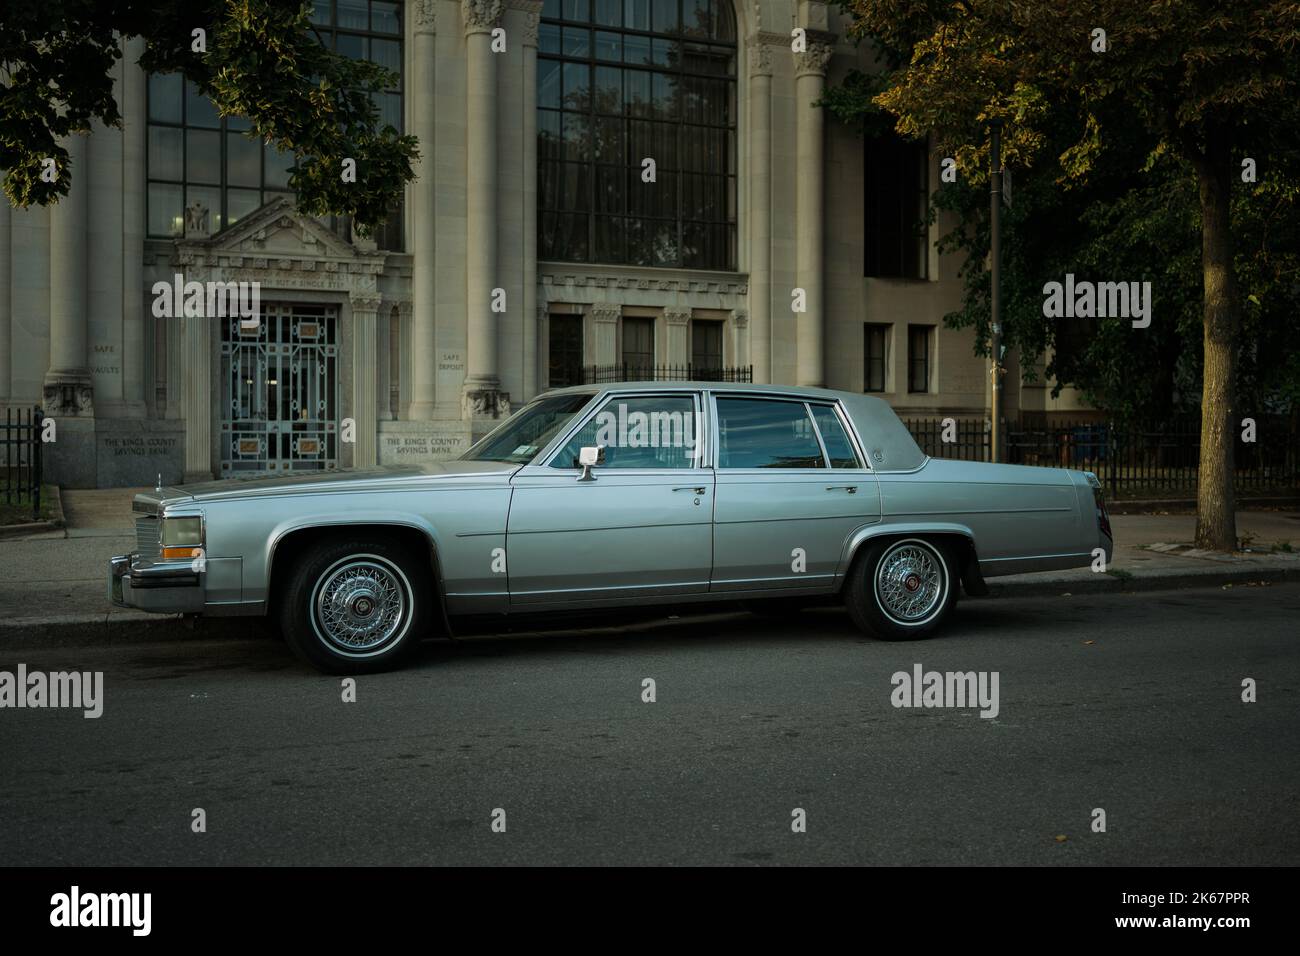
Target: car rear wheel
{"type": "Point", "coordinates": [900, 590]}
{"type": "Point", "coordinates": [353, 608]}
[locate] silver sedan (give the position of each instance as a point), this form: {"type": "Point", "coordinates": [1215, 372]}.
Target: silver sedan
{"type": "Point", "coordinates": [615, 496]}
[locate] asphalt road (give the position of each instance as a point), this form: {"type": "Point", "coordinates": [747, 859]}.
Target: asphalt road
{"type": "Point", "coordinates": [1129, 703]}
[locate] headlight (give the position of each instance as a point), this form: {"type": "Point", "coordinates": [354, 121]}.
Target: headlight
{"type": "Point", "coordinates": [181, 538]}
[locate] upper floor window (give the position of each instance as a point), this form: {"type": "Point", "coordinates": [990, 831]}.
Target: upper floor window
{"type": "Point", "coordinates": [897, 199]}
{"type": "Point", "coordinates": [620, 82]}
{"type": "Point", "coordinates": [195, 154]}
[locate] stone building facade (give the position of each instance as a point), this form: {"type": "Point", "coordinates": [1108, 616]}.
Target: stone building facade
{"type": "Point", "coordinates": [530, 251]}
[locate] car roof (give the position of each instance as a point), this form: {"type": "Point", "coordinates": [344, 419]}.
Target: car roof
{"type": "Point", "coordinates": [803, 391]}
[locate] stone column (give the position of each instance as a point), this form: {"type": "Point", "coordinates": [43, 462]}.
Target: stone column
{"type": "Point", "coordinates": [6, 303]}
{"type": "Point", "coordinates": [418, 389]}
{"type": "Point", "coordinates": [134, 136]}
{"type": "Point", "coordinates": [195, 374]}
{"type": "Point", "coordinates": [68, 389]}
{"type": "Point", "coordinates": [810, 266]}
{"type": "Point", "coordinates": [384, 347]}
{"type": "Point", "coordinates": [679, 336]}
{"type": "Point", "coordinates": [604, 334]}
{"type": "Point", "coordinates": [533, 346]}
{"type": "Point", "coordinates": [741, 343]}
{"type": "Point", "coordinates": [482, 380]}
{"type": "Point", "coordinates": [760, 211]}
{"type": "Point", "coordinates": [365, 308]}
{"type": "Point", "coordinates": [405, 370]}
{"type": "Point", "coordinates": [542, 349]}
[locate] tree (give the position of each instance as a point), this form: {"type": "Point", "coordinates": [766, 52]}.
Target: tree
{"type": "Point", "coordinates": [260, 59]}
{"type": "Point", "coordinates": [1210, 82]}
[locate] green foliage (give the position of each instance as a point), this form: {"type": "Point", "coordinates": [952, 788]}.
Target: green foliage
{"type": "Point", "coordinates": [263, 61]}
{"type": "Point", "coordinates": [1107, 151]}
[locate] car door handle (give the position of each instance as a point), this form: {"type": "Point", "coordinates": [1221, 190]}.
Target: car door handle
{"type": "Point", "coordinates": [851, 489]}
{"type": "Point", "coordinates": [692, 489]}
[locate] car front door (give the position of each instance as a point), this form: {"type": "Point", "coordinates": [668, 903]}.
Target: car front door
{"type": "Point", "coordinates": [639, 529]}
{"type": "Point", "coordinates": [791, 487]}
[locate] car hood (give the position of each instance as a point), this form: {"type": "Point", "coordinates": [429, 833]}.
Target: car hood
{"type": "Point", "coordinates": [371, 479]}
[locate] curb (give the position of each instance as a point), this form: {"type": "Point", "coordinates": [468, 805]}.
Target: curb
{"type": "Point", "coordinates": [1112, 584]}
{"type": "Point", "coordinates": [117, 629]}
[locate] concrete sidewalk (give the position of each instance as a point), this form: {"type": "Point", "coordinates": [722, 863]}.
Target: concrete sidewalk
{"type": "Point", "coordinates": [53, 587]}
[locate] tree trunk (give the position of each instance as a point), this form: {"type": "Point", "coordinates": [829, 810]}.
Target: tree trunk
{"type": "Point", "coordinates": [1216, 522]}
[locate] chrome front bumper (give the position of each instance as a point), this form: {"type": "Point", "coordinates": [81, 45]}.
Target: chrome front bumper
{"type": "Point", "coordinates": [168, 588]}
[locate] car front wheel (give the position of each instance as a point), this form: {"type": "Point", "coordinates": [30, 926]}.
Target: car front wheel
{"type": "Point", "coordinates": [900, 590]}
{"type": "Point", "coordinates": [355, 608]}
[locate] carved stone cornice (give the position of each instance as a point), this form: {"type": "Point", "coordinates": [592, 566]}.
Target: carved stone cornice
{"type": "Point", "coordinates": [606, 312]}
{"type": "Point", "coordinates": [677, 316]}
{"type": "Point", "coordinates": [565, 279]}
{"type": "Point", "coordinates": [480, 16]}
{"type": "Point", "coordinates": [426, 16]}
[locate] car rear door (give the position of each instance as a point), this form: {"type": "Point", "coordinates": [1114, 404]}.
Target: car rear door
{"type": "Point", "coordinates": [639, 530]}
{"type": "Point", "coordinates": [792, 485]}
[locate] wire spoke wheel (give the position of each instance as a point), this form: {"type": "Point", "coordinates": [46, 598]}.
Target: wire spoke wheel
{"type": "Point", "coordinates": [361, 604]}
{"type": "Point", "coordinates": [910, 582]}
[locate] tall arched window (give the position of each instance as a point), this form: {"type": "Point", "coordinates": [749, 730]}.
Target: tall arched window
{"type": "Point", "coordinates": [620, 82]}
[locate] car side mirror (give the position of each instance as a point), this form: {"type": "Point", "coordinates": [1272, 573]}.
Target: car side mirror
{"type": "Point", "coordinates": [588, 458]}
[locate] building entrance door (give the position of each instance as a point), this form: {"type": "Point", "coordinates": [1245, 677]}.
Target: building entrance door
{"type": "Point", "coordinates": [280, 391]}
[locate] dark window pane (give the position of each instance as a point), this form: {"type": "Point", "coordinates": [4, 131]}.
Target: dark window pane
{"type": "Point", "coordinates": [577, 10]}
{"type": "Point", "coordinates": [385, 17]}
{"type": "Point", "coordinates": [664, 16]}
{"type": "Point", "coordinates": [352, 14]}
{"type": "Point", "coordinates": [609, 140]}
{"type": "Point", "coordinates": [199, 110]}
{"type": "Point", "coordinates": [577, 86]}
{"type": "Point", "coordinates": [755, 433]}
{"type": "Point", "coordinates": [243, 161]}
{"type": "Point", "coordinates": [165, 97]}
{"type": "Point", "coordinates": [351, 46]}
{"type": "Point", "coordinates": [166, 152]}
{"type": "Point", "coordinates": [166, 210]}
{"type": "Point", "coordinates": [609, 46]}
{"type": "Point", "coordinates": [577, 43]}
{"type": "Point", "coordinates": [241, 202]}
{"type": "Point", "coordinates": [611, 240]}
{"type": "Point", "coordinates": [577, 134]}
{"type": "Point", "coordinates": [608, 13]}
{"type": "Point", "coordinates": [609, 90]}
{"type": "Point", "coordinates": [636, 50]}
{"type": "Point", "coordinates": [548, 83]}
{"type": "Point", "coordinates": [549, 143]}
{"type": "Point", "coordinates": [706, 346]}
{"type": "Point", "coordinates": [387, 53]}
{"type": "Point", "coordinates": [639, 345]}
{"type": "Point", "coordinates": [202, 156]}
{"type": "Point", "coordinates": [320, 12]}
{"type": "Point", "coordinates": [277, 166]}
{"type": "Point", "coordinates": [548, 38]}
{"type": "Point", "coordinates": [636, 14]}
{"type": "Point", "coordinates": [565, 340]}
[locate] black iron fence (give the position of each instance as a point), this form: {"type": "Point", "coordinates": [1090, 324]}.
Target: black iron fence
{"type": "Point", "coordinates": [21, 440]}
{"type": "Point", "coordinates": [626, 372]}
{"type": "Point", "coordinates": [1138, 458]}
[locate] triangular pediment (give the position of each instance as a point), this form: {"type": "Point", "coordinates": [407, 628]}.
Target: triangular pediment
{"type": "Point", "coordinates": [278, 230]}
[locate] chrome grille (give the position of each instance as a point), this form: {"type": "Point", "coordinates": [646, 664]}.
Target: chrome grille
{"type": "Point", "coordinates": [147, 544]}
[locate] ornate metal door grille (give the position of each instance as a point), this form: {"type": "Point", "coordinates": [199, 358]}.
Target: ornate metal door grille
{"type": "Point", "coordinates": [280, 391]}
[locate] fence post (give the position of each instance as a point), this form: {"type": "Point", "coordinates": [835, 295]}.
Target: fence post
{"type": "Point", "coordinates": [37, 467]}
{"type": "Point", "coordinates": [1110, 459]}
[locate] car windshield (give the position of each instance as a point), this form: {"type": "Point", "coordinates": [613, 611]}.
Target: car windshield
{"type": "Point", "coordinates": [520, 438]}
